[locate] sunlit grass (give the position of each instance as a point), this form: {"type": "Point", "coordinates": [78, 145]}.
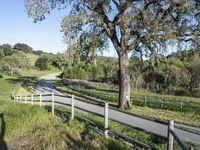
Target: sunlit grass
{"type": "Point", "coordinates": [189, 118]}
{"type": "Point", "coordinates": [32, 127]}
{"type": "Point", "coordinates": [38, 73]}
{"type": "Point", "coordinates": [149, 139]}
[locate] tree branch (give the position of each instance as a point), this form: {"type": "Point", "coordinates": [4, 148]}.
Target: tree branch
{"type": "Point", "coordinates": [109, 26]}
{"type": "Point", "coordinates": [135, 43]}
{"type": "Point", "coordinates": [121, 9]}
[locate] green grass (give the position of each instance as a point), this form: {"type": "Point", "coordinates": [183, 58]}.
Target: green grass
{"type": "Point", "coordinates": [184, 117]}
{"type": "Point", "coordinates": [99, 121]}
{"type": "Point", "coordinates": [31, 77]}
{"type": "Point", "coordinates": [32, 127]}
{"type": "Point", "coordinates": [38, 73]}
{"type": "Point", "coordinates": [149, 139]}
{"type": "Point", "coordinates": [28, 126]}
{"type": "Point", "coordinates": [6, 88]}
{"type": "Point", "coordinates": [144, 99]}
{"type": "Point", "coordinates": [152, 100]}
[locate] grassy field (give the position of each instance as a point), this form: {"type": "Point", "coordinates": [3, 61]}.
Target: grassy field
{"type": "Point", "coordinates": [28, 126]}
{"type": "Point", "coordinates": [184, 117]}
{"type": "Point", "coordinates": [175, 103]}
{"type": "Point", "coordinates": [30, 78]}
{"type": "Point", "coordinates": [38, 73]}
{"type": "Point", "coordinates": [25, 126]}
{"type": "Point", "coordinates": [151, 140]}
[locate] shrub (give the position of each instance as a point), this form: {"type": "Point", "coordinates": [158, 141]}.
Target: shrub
{"type": "Point", "coordinates": [195, 92]}
{"type": "Point", "coordinates": [181, 92]}
{"type": "Point", "coordinates": [12, 64]}
{"type": "Point", "coordinates": [7, 49]}
{"type": "Point", "coordinates": [42, 63]}
{"type": "Point", "coordinates": [2, 55]}
{"type": "Point", "coordinates": [23, 47]}
{"type": "Point", "coordinates": [75, 73]}
{"type": "Point", "coordinates": [97, 73]}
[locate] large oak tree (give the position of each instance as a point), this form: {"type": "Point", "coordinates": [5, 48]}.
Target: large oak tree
{"type": "Point", "coordinates": [143, 26]}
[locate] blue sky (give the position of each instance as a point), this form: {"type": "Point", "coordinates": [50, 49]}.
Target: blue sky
{"type": "Point", "coordinates": [17, 27]}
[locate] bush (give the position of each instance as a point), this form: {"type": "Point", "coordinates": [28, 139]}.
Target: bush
{"type": "Point", "coordinates": [12, 64]}
{"type": "Point", "coordinates": [7, 49]}
{"type": "Point", "coordinates": [2, 55]}
{"type": "Point", "coordinates": [75, 73]}
{"type": "Point", "coordinates": [181, 92]}
{"type": "Point", "coordinates": [23, 47]}
{"type": "Point", "coordinates": [1, 76]}
{"type": "Point", "coordinates": [196, 92]}
{"type": "Point", "coordinates": [97, 73]}
{"type": "Point", "coordinates": [42, 63]}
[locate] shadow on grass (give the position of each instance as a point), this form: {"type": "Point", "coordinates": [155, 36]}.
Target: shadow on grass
{"type": "Point", "coordinates": [28, 82]}
{"type": "Point", "coordinates": [90, 131]}
{"type": "Point", "coordinates": [89, 86]}
{"type": "Point", "coordinates": [95, 126]}
{"type": "Point", "coordinates": [3, 145]}
{"type": "Point", "coordinates": [22, 79]}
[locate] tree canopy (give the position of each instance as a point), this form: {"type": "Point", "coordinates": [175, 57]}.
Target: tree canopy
{"type": "Point", "coordinates": [23, 47]}
{"type": "Point", "coordinates": [42, 63]}
{"type": "Point", "coordinates": [142, 26]}
{"type": "Point", "coordinates": [13, 63]}
{"type": "Point", "coordinates": [7, 49]}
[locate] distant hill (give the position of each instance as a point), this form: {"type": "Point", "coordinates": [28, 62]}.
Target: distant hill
{"type": "Point", "coordinates": [107, 58]}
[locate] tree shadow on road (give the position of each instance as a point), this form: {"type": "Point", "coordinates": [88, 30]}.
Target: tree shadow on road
{"type": "Point", "coordinates": [3, 145]}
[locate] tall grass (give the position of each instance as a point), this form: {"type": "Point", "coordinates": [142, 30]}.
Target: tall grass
{"type": "Point", "coordinates": [32, 127]}
{"type": "Point", "coordinates": [149, 139]}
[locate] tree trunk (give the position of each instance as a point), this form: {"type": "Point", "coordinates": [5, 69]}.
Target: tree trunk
{"type": "Point", "coordinates": [124, 81]}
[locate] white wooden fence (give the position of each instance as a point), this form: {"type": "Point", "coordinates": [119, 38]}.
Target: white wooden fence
{"type": "Point", "coordinates": [39, 100]}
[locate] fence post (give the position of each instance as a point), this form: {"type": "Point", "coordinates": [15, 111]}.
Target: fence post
{"type": "Point", "coordinates": [32, 99]}
{"type": "Point", "coordinates": [53, 104]}
{"type": "Point", "coordinates": [181, 105]}
{"type": "Point", "coordinates": [40, 100]}
{"type": "Point", "coordinates": [17, 98]}
{"type": "Point", "coordinates": [25, 99]}
{"type": "Point", "coordinates": [106, 120]}
{"type": "Point", "coordinates": [72, 107]}
{"type": "Point", "coordinates": [161, 103]}
{"type": "Point", "coordinates": [170, 136]}
{"type": "Point", "coordinates": [14, 98]}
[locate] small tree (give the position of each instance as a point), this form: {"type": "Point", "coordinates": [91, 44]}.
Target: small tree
{"type": "Point", "coordinates": [8, 65]}
{"type": "Point", "coordinates": [195, 72]}
{"type": "Point", "coordinates": [12, 64]}
{"type": "Point", "coordinates": [7, 49]}
{"type": "Point", "coordinates": [2, 55]}
{"type": "Point", "coordinates": [60, 61]}
{"type": "Point", "coordinates": [42, 63]}
{"type": "Point", "coordinates": [23, 47]}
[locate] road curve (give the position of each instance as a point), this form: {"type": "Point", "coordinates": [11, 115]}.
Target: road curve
{"type": "Point", "coordinates": [46, 86]}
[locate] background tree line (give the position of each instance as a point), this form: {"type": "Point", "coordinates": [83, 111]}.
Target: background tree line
{"type": "Point", "coordinates": [144, 26]}
{"type": "Point", "coordinates": [176, 74]}
{"type": "Point", "coordinates": [21, 56]}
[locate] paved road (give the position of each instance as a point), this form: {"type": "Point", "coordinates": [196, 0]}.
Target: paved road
{"type": "Point", "coordinates": [148, 125]}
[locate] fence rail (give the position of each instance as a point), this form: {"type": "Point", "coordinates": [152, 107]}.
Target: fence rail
{"type": "Point", "coordinates": [161, 103]}
{"type": "Point", "coordinates": [157, 127]}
